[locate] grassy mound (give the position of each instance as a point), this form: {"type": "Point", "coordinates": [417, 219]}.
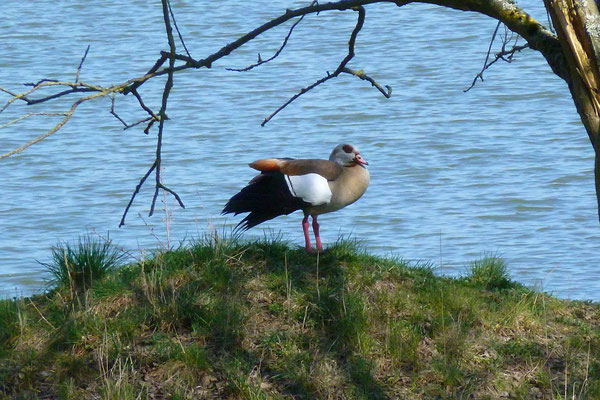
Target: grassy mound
{"type": "Point", "coordinates": [262, 320]}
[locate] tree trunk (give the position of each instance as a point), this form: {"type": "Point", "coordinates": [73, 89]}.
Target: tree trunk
{"type": "Point", "coordinates": [577, 24]}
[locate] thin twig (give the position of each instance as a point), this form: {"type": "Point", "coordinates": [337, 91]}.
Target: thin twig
{"type": "Point", "coordinates": [499, 56]}
{"type": "Point", "coordinates": [81, 63]}
{"type": "Point", "coordinates": [112, 111]}
{"type": "Point", "coordinates": [274, 56]}
{"type": "Point", "coordinates": [141, 121]}
{"type": "Point", "coordinates": [163, 187]}
{"type": "Point", "coordinates": [177, 29]}
{"type": "Point", "coordinates": [8, 92]}
{"type": "Point", "coordinates": [144, 106]}
{"type": "Point", "coordinates": [23, 96]}
{"type": "Point", "coordinates": [41, 81]}
{"type": "Point", "coordinates": [14, 97]}
{"type": "Point", "coordinates": [149, 126]}
{"type": "Point", "coordinates": [135, 192]}
{"type": "Point", "coordinates": [61, 94]}
{"type": "Point", "coordinates": [126, 125]}
{"type": "Point", "coordinates": [487, 57]}
{"type": "Point", "coordinates": [361, 74]}
{"type": "Point", "coordinates": [75, 87]}
{"type": "Point", "coordinates": [68, 116]}
{"type": "Point", "coordinates": [294, 97]}
{"type": "Point", "coordinates": [21, 118]}
{"type": "Point", "coordinates": [339, 69]}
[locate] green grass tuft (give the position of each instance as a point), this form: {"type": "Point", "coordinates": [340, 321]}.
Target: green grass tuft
{"type": "Point", "coordinates": [9, 322]}
{"type": "Point", "coordinates": [78, 266]}
{"type": "Point", "coordinates": [490, 273]}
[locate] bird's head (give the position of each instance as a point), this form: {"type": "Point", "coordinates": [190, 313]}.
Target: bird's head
{"type": "Point", "coordinates": [347, 155]}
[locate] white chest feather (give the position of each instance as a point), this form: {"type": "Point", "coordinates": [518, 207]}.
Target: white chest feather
{"type": "Point", "coordinates": [312, 188]}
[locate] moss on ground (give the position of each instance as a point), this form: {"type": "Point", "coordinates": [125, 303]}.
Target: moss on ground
{"type": "Point", "coordinates": [264, 320]}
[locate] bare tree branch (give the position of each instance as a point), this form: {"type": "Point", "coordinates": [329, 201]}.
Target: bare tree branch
{"type": "Point", "coordinates": [339, 69]}
{"type": "Point", "coordinates": [66, 119]}
{"type": "Point", "coordinates": [500, 55]}
{"type": "Point", "coordinates": [127, 126]}
{"type": "Point", "coordinates": [487, 57]}
{"type": "Point", "coordinates": [75, 88]}
{"type": "Point", "coordinates": [352, 42]}
{"type": "Point", "coordinates": [274, 56]}
{"type": "Point", "coordinates": [162, 117]}
{"type": "Point", "coordinates": [163, 111]}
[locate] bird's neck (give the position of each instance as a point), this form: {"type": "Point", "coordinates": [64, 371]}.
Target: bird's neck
{"type": "Point", "coordinates": [350, 185]}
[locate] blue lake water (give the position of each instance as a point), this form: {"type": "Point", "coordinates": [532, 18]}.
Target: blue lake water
{"type": "Point", "coordinates": [503, 169]}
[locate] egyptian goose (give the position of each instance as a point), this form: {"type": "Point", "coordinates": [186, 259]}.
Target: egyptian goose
{"type": "Point", "coordinates": [314, 186]}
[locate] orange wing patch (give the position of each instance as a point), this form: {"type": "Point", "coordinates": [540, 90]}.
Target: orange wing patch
{"type": "Point", "coordinates": [267, 165]}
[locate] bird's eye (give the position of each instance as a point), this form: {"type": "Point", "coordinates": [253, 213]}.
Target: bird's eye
{"type": "Point", "coordinates": [348, 148]}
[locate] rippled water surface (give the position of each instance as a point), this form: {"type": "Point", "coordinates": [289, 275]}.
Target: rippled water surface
{"type": "Point", "coordinates": [505, 168]}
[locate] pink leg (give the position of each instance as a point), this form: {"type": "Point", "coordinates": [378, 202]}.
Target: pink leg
{"type": "Point", "coordinates": [315, 225]}
{"type": "Point", "coordinates": [307, 244]}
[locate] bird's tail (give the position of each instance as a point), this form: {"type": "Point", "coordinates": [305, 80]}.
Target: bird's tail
{"type": "Point", "coordinates": [266, 197]}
